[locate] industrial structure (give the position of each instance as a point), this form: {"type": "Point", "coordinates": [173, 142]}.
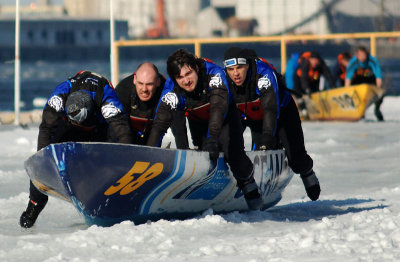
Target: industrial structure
{"type": "Point", "coordinates": [229, 18]}
{"type": "Point", "coordinates": [72, 28]}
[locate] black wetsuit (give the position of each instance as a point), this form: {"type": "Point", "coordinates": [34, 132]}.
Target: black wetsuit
{"type": "Point", "coordinates": [212, 115]}
{"type": "Point", "coordinates": [141, 113]}
{"type": "Point", "coordinates": [108, 113]}
{"type": "Point", "coordinates": [270, 112]}
{"type": "Point", "coordinates": [306, 79]}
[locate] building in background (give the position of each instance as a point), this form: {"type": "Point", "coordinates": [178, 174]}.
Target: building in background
{"type": "Point", "coordinates": [68, 24]}
{"type": "Point", "coordinates": [59, 38]}
{"type": "Point", "coordinates": [213, 18]}
{"type": "Point", "coordinates": [365, 16]}
{"type": "Point", "coordinates": [138, 13]}
{"type": "Point", "coordinates": [142, 15]}
{"type": "Point", "coordinates": [275, 17]}
{"type": "Point", "coordinates": [48, 33]}
{"type": "Point", "coordinates": [210, 24]}
{"type": "Point", "coordinates": [38, 7]}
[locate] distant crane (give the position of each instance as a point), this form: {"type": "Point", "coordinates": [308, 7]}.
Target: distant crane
{"type": "Point", "coordinates": [159, 30]}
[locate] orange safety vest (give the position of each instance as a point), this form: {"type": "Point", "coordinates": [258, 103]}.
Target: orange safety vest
{"type": "Point", "coordinates": [363, 72]}
{"type": "Point", "coordinates": [342, 75]}
{"type": "Point", "coordinates": [312, 74]}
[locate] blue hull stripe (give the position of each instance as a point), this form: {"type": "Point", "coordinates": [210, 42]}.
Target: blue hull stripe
{"type": "Point", "coordinates": [177, 172]}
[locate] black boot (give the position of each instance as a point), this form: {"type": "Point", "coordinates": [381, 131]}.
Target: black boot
{"type": "Point", "coordinates": [28, 217]}
{"type": "Point", "coordinates": [251, 194]}
{"type": "Point", "coordinates": [378, 114]}
{"type": "Point", "coordinates": [377, 110]}
{"type": "Point", "coordinates": [311, 185]}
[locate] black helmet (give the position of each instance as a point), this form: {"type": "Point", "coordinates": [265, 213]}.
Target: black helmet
{"type": "Point", "coordinates": [79, 106]}
{"type": "Point", "coordinates": [234, 56]}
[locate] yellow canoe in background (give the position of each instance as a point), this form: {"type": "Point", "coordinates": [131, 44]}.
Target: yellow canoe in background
{"type": "Point", "coordinates": [343, 103]}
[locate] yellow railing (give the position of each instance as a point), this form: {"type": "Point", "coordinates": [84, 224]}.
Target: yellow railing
{"type": "Point", "coordinates": [284, 39]}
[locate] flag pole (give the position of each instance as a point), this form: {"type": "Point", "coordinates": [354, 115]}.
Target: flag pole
{"type": "Point", "coordinates": [112, 39]}
{"type": "Point", "coordinates": [17, 67]}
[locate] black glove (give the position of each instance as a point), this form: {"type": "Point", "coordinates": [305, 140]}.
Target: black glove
{"type": "Point", "coordinates": [313, 192]}
{"type": "Point", "coordinates": [211, 145]}
{"type": "Point", "coordinates": [311, 184]}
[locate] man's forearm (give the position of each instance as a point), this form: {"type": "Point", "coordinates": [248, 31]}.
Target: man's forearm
{"type": "Point", "coordinates": [379, 82]}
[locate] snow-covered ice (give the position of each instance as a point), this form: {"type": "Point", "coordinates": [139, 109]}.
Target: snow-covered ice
{"type": "Point", "coordinates": [356, 219]}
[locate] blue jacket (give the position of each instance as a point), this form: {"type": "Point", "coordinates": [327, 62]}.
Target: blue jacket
{"type": "Point", "coordinates": [370, 67]}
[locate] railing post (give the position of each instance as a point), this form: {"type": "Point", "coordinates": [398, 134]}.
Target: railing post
{"type": "Point", "coordinates": [283, 54]}
{"type": "Point", "coordinates": [197, 48]}
{"type": "Point", "coordinates": [373, 44]}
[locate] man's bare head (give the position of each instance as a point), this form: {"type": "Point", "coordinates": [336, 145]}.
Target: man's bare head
{"type": "Point", "coordinates": [146, 80]}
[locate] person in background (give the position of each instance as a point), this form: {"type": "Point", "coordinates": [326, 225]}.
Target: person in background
{"type": "Point", "coordinates": [310, 68]}
{"type": "Point", "coordinates": [269, 111]}
{"type": "Point", "coordinates": [198, 87]}
{"type": "Point", "coordinates": [339, 71]}
{"type": "Point", "coordinates": [365, 68]}
{"type": "Point", "coordinates": [81, 109]}
{"type": "Point", "coordinates": [139, 94]}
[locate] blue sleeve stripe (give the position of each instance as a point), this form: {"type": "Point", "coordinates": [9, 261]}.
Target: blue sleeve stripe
{"type": "Point", "coordinates": [62, 89]}
{"type": "Point", "coordinates": [111, 97]}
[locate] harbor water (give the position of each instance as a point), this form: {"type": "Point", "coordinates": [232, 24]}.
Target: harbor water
{"type": "Point", "coordinates": [39, 78]}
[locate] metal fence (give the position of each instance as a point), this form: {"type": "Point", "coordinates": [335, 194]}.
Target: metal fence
{"type": "Point", "coordinates": [283, 40]}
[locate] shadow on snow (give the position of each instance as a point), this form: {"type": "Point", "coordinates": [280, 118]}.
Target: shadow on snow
{"type": "Point", "coordinates": [305, 211]}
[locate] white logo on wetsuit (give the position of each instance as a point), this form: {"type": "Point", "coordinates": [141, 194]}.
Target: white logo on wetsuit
{"type": "Point", "coordinates": [109, 110]}
{"type": "Point", "coordinates": [57, 103]}
{"type": "Point", "coordinates": [264, 83]}
{"type": "Point", "coordinates": [170, 99]}
{"type": "Point", "coordinates": [92, 81]}
{"type": "Point", "coordinates": [216, 80]}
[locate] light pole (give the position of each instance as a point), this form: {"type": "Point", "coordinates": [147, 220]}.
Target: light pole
{"type": "Point", "coordinates": [114, 77]}
{"type": "Point", "coordinates": [17, 67]}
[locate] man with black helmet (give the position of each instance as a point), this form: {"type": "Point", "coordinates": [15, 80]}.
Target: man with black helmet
{"type": "Point", "coordinates": [198, 87]}
{"type": "Point", "coordinates": [80, 109]}
{"type": "Point", "coordinates": [269, 111]}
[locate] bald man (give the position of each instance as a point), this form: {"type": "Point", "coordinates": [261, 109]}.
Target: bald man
{"type": "Point", "coordinates": [139, 94]}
